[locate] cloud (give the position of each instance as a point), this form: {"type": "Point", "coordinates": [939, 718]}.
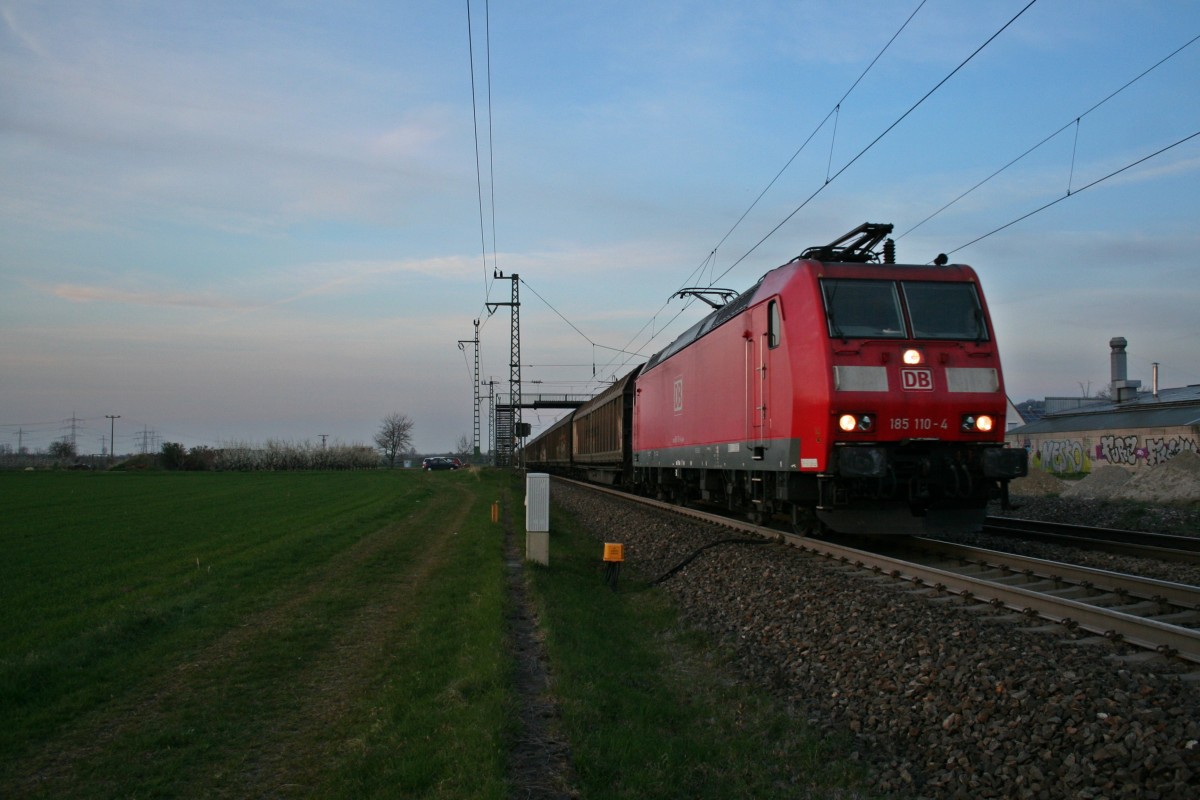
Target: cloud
{"type": "Point", "coordinates": [345, 277]}
{"type": "Point", "coordinates": [78, 293]}
{"type": "Point", "coordinates": [27, 39]}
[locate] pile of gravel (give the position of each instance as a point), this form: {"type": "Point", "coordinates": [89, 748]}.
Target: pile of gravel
{"type": "Point", "coordinates": [941, 700]}
{"type": "Point", "coordinates": [1165, 499]}
{"type": "Point", "coordinates": [1161, 500]}
{"type": "Point", "coordinates": [1175, 482]}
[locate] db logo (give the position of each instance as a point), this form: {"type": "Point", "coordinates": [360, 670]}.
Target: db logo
{"type": "Point", "coordinates": [678, 395]}
{"type": "Point", "coordinates": [916, 380]}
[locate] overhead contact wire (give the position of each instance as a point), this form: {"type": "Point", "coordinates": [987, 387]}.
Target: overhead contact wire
{"type": "Point", "coordinates": [1074, 150]}
{"type": "Point", "coordinates": [478, 167]}
{"type": "Point", "coordinates": [877, 139]}
{"type": "Point", "coordinates": [569, 323]}
{"type": "Point", "coordinates": [1075, 122]}
{"type": "Point", "coordinates": [1076, 192]}
{"type": "Point", "coordinates": [710, 260]}
{"type": "Point", "coordinates": [816, 130]}
{"type": "Point", "coordinates": [487, 25]}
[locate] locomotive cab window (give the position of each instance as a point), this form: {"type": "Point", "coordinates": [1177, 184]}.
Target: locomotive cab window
{"type": "Point", "coordinates": [773, 324]}
{"type": "Point", "coordinates": [858, 309]}
{"type": "Point", "coordinates": [944, 311]}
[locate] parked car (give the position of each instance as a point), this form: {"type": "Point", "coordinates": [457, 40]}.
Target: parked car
{"type": "Point", "coordinates": [439, 462]}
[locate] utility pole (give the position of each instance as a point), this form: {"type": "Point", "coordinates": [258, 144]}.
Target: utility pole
{"type": "Point", "coordinates": [323, 435]}
{"type": "Point", "coordinates": [474, 383]}
{"type": "Point", "coordinates": [492, 421]}
{"type": "Point", "coordinates": [510, 425]}
{"type": "Point", "coordinates": [112, 441]}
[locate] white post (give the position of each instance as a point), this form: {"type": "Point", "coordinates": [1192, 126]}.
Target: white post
{"type": "Point", "coordinates": [537, 517]}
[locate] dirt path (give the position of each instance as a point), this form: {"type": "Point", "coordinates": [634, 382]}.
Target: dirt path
{"type": "Point", "coordinates": [541, 758]}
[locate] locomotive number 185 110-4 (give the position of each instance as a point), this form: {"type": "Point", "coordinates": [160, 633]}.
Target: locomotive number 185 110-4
{"type": "Point", "coordinates": [919, 424]}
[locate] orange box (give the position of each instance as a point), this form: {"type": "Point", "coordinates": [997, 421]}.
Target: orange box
{"type": "Point", "coordinates": [614, 552]}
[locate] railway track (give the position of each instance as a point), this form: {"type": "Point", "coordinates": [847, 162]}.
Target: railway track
{"type": "Point", "coordinates": [1156, 616]}
{"type": "Point", "coordinates": [1147, 613]}
{"type": "Point", "coordinates": [1183, 549]}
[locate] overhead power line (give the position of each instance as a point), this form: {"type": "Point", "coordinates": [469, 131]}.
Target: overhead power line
{"type": "Point", "coordinates": [829, 178]}
{"type": "Point", "coordinates": [575, 328]}
{"type": "Point", "coordinates": [1074, 122]}
{"type": "Point", "coordinates": [475, 124]}
{"type": "Point", "coordinates": [1069, 193]}
{"type": "Point", "coordinates": [712, 254]}
{"type": "Point", "coordinates": [878, 138]}
{"type": "Point", "coordinates": [806, 142]}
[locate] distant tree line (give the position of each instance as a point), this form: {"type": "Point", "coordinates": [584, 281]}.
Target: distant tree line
{"type": "Point", "coordinates": [393, 440]}
{"type": "Point", "coordinates": [274, 455]}
{"type": "Point", "coordinates": [60, 455]}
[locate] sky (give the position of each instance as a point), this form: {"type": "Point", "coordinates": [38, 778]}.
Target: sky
{"type": "Point", "coordinates": [250, 221]}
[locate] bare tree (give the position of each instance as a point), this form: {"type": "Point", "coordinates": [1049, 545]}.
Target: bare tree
{"type": "Point", "coordinates": [464, 449]}
{"type": "Point", "coordinates": [395, 435]}
{"type": "Point", "coordinates": [62, 449]}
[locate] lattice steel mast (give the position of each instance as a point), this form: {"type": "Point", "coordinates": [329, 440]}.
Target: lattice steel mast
{"type": "Point", "coordinates": [475, 386]}
{"type": "Point", "coordinates": [508, 425]}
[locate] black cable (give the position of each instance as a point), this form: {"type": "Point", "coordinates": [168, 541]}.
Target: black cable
{"type": "Point", "coordinates": [689, 559]}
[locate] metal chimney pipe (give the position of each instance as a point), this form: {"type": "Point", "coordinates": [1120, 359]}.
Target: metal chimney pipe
{"type": "Point", "coordinates": [1154, 379]}
{"type": "Point", "coordinates": [1123, 389]}
{"type": "Point", "coordinates": [1117, 360]}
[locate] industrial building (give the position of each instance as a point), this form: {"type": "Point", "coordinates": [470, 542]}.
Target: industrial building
{"type": "Point", "coordinates": [1131, 428]}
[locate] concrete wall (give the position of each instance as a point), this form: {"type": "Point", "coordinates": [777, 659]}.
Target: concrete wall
{"type": "Point", "coordinates": [1133, 449]}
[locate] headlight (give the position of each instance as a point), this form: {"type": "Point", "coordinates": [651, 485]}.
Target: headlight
{"type": "Point", "coordinates": [862, 423]}
{"type": "Point", "coordinates": [912, 357]}
{"type": "Point", "coordinates": [981, 423]}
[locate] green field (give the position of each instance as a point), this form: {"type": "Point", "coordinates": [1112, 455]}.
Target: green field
{"type": "Point", "coordinates": [251, 634]}
{"type": "Point", "coordinates": [337, 635]}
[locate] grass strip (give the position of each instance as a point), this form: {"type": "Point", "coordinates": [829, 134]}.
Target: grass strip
{"type": "Point", "coordinates": [440, 723]}
{"type": "Point", "coordinates": [649, 706]}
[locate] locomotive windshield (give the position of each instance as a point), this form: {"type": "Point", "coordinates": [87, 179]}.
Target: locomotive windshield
{"type": "Point", "coordinates": [863, 309]}
{"type": "Point", "coordinates": [944, 310]}
{"type": "Point", "coordinates": [866, 309]}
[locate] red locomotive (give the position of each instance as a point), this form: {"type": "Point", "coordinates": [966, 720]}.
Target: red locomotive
{"type": "Point", "coordinates": [842, 390]}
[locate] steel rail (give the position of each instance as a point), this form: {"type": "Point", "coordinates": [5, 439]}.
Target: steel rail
{"type": "Point", "coordinates": [1185, 549]}
{"type": "Point", "coordinates": [1146, 633]}
{"type": "Point", "coordinates": [1038, 569]}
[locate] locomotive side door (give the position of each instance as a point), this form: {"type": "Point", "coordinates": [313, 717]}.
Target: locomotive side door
{"type": "Point", "coordinates": [761, 338]}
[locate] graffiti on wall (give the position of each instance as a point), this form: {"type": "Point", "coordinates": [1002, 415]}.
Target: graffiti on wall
{"type": "Point", "coordinates": [1163, 449]}
{"type": "Point", "coordinates": [1073, 456]}
{"type": "Point", "coordinates": [1063, 455]}
{"type": "Point", "coordinates": [1119, 450]}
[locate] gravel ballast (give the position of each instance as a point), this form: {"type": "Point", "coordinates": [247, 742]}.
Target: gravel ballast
{"type": "Point", "coordinates": [941, 700]}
